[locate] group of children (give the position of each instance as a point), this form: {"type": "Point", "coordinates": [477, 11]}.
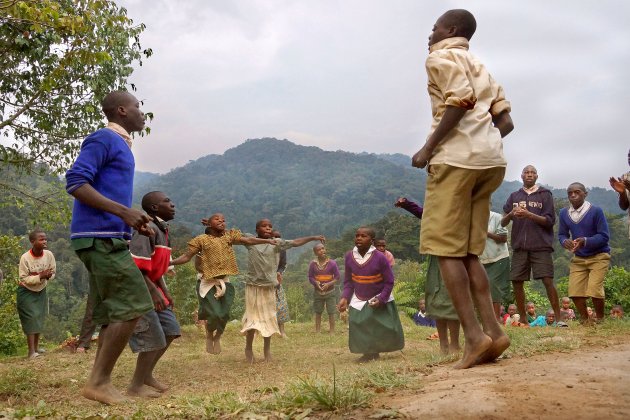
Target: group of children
{"type": "Point", "coordinates": [464, 159]}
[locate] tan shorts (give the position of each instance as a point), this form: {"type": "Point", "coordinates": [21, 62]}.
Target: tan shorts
{"type": "Point", "coordinates": [457, 209]}
{"type": "Point", "coordinates": [586, 275]}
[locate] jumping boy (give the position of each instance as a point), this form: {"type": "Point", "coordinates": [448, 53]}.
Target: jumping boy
{"type": "Point", "coordinates": [101, 181]}
{"type": "Point", "coordinates": [157, 329]}
{"type": "Point", "coordinates": [323, 274]}
{"type": "Point", "coordinates": [464, 156]}
{"type": "Point", "coordinates": [584, 232]}
{"type": "Point", "coordinates": [216, 262]}
{"type": "Point", "coordinates": [37, 267]}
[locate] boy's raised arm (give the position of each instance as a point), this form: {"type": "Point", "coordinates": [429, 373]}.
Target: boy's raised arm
{"type": "Point", "coordinates": [307, 239]}
{"type": "Point", "coordinates": [252, 240]}
{"type": "Point", "coordinates": [184, 258]}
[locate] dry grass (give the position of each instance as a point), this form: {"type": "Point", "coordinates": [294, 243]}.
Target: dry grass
{"type": "Point", "coordinates": [311, 373]}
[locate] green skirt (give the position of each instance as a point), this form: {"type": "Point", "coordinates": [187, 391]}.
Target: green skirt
{"type": "Point", "coordinates": [437, 299]}
{"type": "Point", "coordinates": [499, 278]}
{"type": "Point", "coordinates": [216, 311]}
{"type": "Point", "coordinates": [375, 330]}
{"type": "Point", "coordinates": [31, 308]}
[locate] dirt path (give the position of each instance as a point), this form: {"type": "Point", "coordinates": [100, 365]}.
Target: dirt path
{"type": "Point", "coordinates": [590, 383]}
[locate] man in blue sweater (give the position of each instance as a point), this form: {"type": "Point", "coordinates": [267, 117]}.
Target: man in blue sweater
{"type": "Point", "coordinates": [584, 231]}
{"type": "Point", "coordinates": [101, 181]}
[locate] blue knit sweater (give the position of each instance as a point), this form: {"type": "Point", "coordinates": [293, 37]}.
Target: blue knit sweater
{"type": "Point", "coordinates": [592, 226]}
{"type": "Point", "coordinates": [107, 164]}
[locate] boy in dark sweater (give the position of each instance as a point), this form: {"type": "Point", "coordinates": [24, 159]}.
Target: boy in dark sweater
{"type": "Point", "coordinates": [531, 211]}
{"type": "Point", "coordinates": [584, 231]}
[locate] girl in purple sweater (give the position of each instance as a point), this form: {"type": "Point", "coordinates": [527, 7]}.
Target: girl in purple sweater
{"type": "Point", "coordinates": [368, 282]}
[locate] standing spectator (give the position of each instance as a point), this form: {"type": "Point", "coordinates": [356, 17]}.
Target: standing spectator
{"type": "Point", "coordinates": [496, 261]}
{"type": "Point", "coordinates": [37, 267]}
{"type": "Point", "coordinates": [531, 211]}
{"type": "Point", "coordinates": [584, 231]}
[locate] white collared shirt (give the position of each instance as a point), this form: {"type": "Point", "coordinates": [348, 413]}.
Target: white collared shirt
{"type": "Point", "coordinates": [362, 259]}
{"type": "Point", "coordinates": [577, 214]}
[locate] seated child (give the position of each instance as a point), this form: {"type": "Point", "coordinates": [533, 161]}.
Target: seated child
{"type": "Point", "coordinates": [530, 310]}
{"type": "Point", "coordinates": [381, 245]}
{"type": "Point", "coordinates": [508, 318]}
{"type": "Point", "coordinates": [545, 321]}
{"type": "Point", "coordinates": [438, 302]}
{"type": "Point", "coordinates": [368, 281]}
{"type": "Point", "coordinates": [567, 313]}
{"type": "Point", "coordinates": [420, 318]}
{"type": "Point", "coordinates": [323, 274]}
{"type": "Point", "coordinates": [216, 262]}
{"type": "Point", "coordinates": [260, 286]}
{"type": "Point", "coordinates": [616, 312]}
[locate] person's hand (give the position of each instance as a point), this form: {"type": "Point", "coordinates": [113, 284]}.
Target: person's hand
{"type": "Point", "coordinates": [321, 238]}
{"type": "Point", "coordinates": [138, 220]}
{"type": "Point", "coordinates": [578, 243]}
{"type": "Point", "coordinates": [46, 274]}
{"type": "Point", "coordinates": [205, 221]}
{"type": "Point", "coordinates": [375, 302]}
{"type": "Point", "coordinates": [170, 271]}
{"type": "Point", "coordinates": [279, 277]}
{"type": "Point", "coordinates": [170, 299]}
{"type": "Point", "coordinates": [421, 158]}
{"type": "Point", "coordinates": [342, 305]}
{"type": "Point", "coordinates": [156, 297]}
{"type": "Point", "coordinates": [617, 184]}
{"type": "Point", "coordinates": [521, 213]}
{"type": "Point", "coordinates": [400, 202]}
{"type": "Point", "coordinates": [568, 244]}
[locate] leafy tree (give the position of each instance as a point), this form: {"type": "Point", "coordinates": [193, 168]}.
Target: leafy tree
{"type": "Point", "coordinates": [59, 59]}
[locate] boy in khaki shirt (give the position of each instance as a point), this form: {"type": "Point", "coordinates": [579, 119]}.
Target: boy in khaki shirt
{"type": "Point", "coordinates": [465, 164]}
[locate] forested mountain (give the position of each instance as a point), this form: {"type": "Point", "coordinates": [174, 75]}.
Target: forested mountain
{"type": "Point", "coordinates": [304, 190]}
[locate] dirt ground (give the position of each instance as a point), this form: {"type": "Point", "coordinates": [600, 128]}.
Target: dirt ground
{"type": "Point", "coordinates": [588, 383]}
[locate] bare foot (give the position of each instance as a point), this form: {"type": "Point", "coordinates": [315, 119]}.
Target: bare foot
{"type": "Point", "coordinates": [499, 345]}
{"type": "Point", "coordinates": [105, 394]}
{"type": "Point", "coordinates": [268, 357]}
{"type": "Point", "coordinates": [152, 382]}
{"type": "Point", "coordinates": [472, 351]}
{"type": "Point", "coordinates": [454, 349]}
{"type": "Point", "coordinates": [249, 355]}
{"type": "Point", "coordinates": [143, 392]}
{"type": "Point", "coordinates": [209, 344]}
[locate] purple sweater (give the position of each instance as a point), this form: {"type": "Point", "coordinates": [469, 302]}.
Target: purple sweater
{"type": "Point", "coordinates": [528, 235]}
{"type": "Point", "coordinates": [329, 273]}
{"type": "Point", "coordinates": [372, 278]}
{"type": "Point", "coordinates": [412, 208]}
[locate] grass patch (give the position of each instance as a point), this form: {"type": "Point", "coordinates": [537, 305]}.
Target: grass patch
{"type": "Point", "coordinates": [384, 379]}
{"type": "Point", "coordinates": [17, 382]}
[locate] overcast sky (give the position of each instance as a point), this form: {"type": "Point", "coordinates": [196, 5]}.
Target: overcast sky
{"type": "Point", "coordinates": [349, 75]}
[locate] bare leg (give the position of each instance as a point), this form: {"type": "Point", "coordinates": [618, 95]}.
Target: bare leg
{"type": "Point", "coordinates": [580, 305]}
{"type": "Point", "coordinates": [453, 328]}
{"type": "Point", "coordinates": [497, 310]}
{"type": "Point", "coordinates": [331, 323]}
{"type": "Point", "coordinates": [552, 294]}
{"type": "Point", "coordinates": [249, 341]}
{"type": "Point", "coordinates": [458, 284]}
{"type": "Point", "coordinates": [144, 364]}
{"type": "Point", "coordinates": [318, 322]}
{"type": "Point", "coordinates": [209, 340]}
{"type": "Point", "coordinates": [480, 288]}
{"type": "Point", "coordinates": [442, 328]}
{"type": "Point", "coordinates": [283, 334]}
{"type": "Point", "coordinates": [149, 378]}
{"type": "Point", "coordinates": [267, 348]}
{"type": "Point", "coordinates": [30, 341]}
{"type": "Point", "coordinates": [112, 341]}
{"type": "Point", "coordinates": [36, 342]}
{"type": "Point", "coordinates": [519, 296]}
{"type": "Point", "coordinates": [598, 305]}
{"type": "Point", "coordinates": [216, 341]}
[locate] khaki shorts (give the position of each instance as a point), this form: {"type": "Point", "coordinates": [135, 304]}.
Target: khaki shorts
{"type": "Point", "coordinates": [586, 275]}
{"type": "Point", "coordinates": [457, 209]}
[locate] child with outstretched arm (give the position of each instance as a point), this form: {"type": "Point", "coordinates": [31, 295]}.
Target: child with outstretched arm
{"type": "Point", "coordinates": [216, 262]}
{"type": "Point", "coordinates": [260, 286]}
